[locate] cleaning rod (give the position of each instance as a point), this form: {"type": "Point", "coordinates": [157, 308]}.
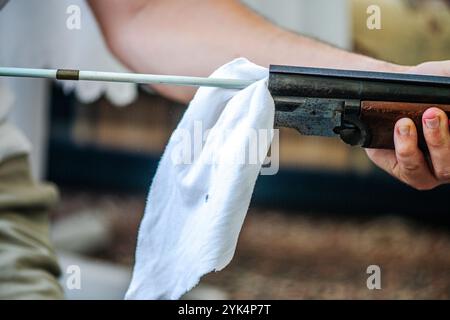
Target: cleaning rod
{"type": "Point", "coordinates": [68, 74]}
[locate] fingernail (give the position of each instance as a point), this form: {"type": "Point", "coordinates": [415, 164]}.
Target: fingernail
{"type": "Point", "coordinates": [432, 123]}
{"type": "Point", "coordinates": [404, 130]}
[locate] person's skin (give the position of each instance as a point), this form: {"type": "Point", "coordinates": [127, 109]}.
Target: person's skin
{"type": "Point", "coordinates": [195, 37]}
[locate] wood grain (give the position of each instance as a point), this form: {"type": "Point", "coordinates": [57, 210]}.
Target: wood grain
{"type": "Point", "coordinates": [381, 116]}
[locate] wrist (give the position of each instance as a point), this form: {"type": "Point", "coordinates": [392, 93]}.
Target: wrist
{"type": "Point", "coordinates": [365, 63]}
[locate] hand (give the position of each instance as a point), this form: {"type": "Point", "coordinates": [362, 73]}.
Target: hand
{"type": "Point", "coordinates": [407, 163]}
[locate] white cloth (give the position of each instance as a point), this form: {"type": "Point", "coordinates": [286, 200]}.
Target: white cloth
{"type": "Point", "coordinates": [195, 211]}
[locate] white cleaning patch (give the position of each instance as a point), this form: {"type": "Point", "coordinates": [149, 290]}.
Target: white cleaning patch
{"type": "Point", "coordinates": [202, 189]}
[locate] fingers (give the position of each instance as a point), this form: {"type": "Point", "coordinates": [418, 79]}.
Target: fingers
{"type": "Point", "coordinates": [411, 166]}
{"type": "Point", "coordinates": [437, 136]}
{"type": "Point", "coordinates": [408, 163]}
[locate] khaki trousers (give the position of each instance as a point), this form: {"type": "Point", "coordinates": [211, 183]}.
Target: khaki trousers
{"type": "Point", "coordinates": [28, 265]}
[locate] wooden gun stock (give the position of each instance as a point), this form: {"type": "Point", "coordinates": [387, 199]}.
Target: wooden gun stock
{"type": "Point", "coordinates": [380, 117]}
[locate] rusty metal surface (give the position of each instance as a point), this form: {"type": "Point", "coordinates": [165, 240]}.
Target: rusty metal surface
{"type": "Point", "coordinates": [288, 81]}
{"type": "Point", "coordinates": [326, 102]}
{"type": "Point", "coordinates": [317, 117]}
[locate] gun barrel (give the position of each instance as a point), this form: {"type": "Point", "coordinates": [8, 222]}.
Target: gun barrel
{"type": "Point", "coordinates": [357, 85]}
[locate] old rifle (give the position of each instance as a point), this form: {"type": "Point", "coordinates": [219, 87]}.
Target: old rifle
{"type": "Point", "coordinates": [360, 107]}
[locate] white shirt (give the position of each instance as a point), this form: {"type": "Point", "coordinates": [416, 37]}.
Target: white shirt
{"type": "Point", "coordinates": [42, 34]}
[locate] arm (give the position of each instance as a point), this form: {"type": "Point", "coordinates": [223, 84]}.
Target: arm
{"type": "Point", "coordinates": [194, 37]}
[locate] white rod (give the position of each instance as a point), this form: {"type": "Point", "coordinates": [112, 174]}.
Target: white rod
{"type": "Point", "coordinates": [28, 73]}
{"type": "Point", "coordinates": [130, 77]}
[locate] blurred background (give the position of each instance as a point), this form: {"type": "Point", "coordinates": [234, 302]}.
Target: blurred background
{"type": "Point", "coordinates": [312, 229]}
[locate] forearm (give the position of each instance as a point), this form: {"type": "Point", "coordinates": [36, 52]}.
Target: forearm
{"type": "Point", "coordinates": [194, 37]}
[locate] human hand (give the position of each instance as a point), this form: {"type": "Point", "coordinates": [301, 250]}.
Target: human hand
{"type": "Point", "coordinates": [408, 163]}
